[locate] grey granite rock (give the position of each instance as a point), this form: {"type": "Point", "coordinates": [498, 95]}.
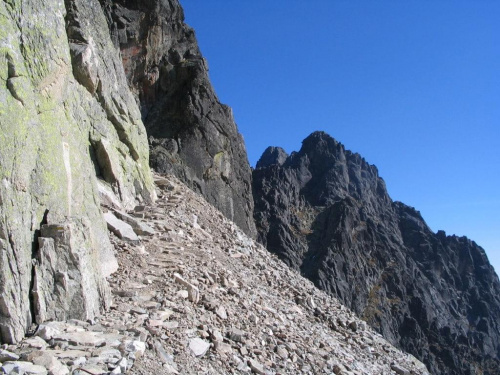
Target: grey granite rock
{"type": "Point", "coordinates": [67, 120]}
{"type": "Point", "coordinates": [65, 282]}
{"type": "Point", "coordinates": [120, 228]}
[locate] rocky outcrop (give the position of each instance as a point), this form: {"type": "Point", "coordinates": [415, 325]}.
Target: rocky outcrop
{"type": "Point", "coordinates": [191, 134]}
{"type": "Point", "coordinates": [326, 212]}
{"type": "Point", "coordinates": [69, 130]}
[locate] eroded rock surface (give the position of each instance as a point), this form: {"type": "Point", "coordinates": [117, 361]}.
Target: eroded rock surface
{"type": "Point", "coordinates": [326, 212]}
{"type": "Point", "coordinates": [191, 134]}
{"type": "Point", "coordinates": [67, 120]}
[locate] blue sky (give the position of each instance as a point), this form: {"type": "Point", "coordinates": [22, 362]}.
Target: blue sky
{"type": "Point", "coordinates": [413, 86]}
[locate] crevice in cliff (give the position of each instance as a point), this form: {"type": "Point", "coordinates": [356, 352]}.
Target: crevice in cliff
{"type": "Point", "coordinates": [35, 257]}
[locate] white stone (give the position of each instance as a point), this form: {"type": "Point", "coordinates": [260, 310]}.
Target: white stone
{"type": "Point", "coordinates": [139, 227]}
{"type": "Point", "coordinates": [256, 367]}
{"type": "Point", "coordinates": [8, 356]}
{"type": "Point", "coordinates": [221, 312]}
{"type": "Point", "coordinates": [47, 332]}
{"type": "Point", "coordinates": [54, 366]}
{"type": "Point", "coordinates": [82, 338]}
{"type": "Point", "coordinates": [198, 346]}
{"type": "Point", "coordinates": [135, 347]}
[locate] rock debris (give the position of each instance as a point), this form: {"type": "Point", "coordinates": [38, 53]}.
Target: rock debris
{"type": "Point", "coordinates": [197, 296]}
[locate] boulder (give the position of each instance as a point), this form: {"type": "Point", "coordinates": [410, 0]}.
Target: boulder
{"type": "Point", "coordinates": [120, 228]}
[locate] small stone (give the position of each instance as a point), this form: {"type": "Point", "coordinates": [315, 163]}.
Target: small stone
{"type": "Point", "coordinates": [242, 367]}
{"type": "Point", "coordinates": [183, 294]}
{"type": "Point", "coordinates": [47, 332]}
{"type": "Point", "coordinates": [164, 357]}
{"type": "Point", "coordinates": [198, 346]}
{"type": "Point", "coordinates": [135, 347]}
{"type": "Point", "coordinates": [155, 322]}
{"type": "Point", "coordinates": [106, 353]}
{"type": "Point", "coordinates": [236, 335]}
{"type": "Point", "coordinates": [171, 324]}
{"type": "Point", "coordinates": [310, 302]}
{"type": "Point", "coordinates": [78, 362]}
{"type": "Point", "coordinates": [162, 314]}
{"type": "Point", "coordinates": [36, 342]}
{"type": "Point", "coordinates": [120, 228]}
{"type": "Point", "coordinates": [399, 370]}
{"type": "Point", "coordinates": [93, 370]}
{"type": "Point", "coordinates": [125, 293]}
{"type": "Point", "coordinates": [54, 366]}
{"type": "Point", "coordinates": [8, 356]}
{"type": "Point", "coordinates": [222, 347]}
{"type": "Point", "coordinates": [216, 336]}
{"type": "Point", "coordinates": [194, 294]}
{"type": "Point", "coordinates": [337, 370]}
{"type": "Point", "coordinates": [282, 352]}
{"type": "Point", "coordinates": [70, 354]}
{"type": "Point", "coordinates": [353, 326]}
{"type": "Point", "coordinates": [81, 338]}
{"type": "Point", "coordinates": [139, 227]}
{"type": "Point", "coordinates": [122, 364]}
{"type": "Point", "coordinates": [221, 312]}
{"type": "Point", "coordinates": [256, 367]}
{"type": "Point", "coordinates": [138, 310]}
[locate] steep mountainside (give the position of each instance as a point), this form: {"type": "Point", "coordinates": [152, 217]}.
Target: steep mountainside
{"type": "Point", "coordinates": [326, 212]}
{"type": "Point", "coordinates": [191, 134]}
{"type": "Point", "coordinates": [80, 79]}
{"type": "Point", "coordinates": [69, 131]}
{"type": "Point", "coordinates": [197, 296]}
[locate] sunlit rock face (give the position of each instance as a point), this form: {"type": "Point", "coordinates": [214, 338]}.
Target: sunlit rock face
{"type": "Point", "coordinates": [69, 129]}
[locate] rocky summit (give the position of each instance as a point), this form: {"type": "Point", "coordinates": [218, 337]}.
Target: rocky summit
{"type": "Point", "coordinates": [326, 213]}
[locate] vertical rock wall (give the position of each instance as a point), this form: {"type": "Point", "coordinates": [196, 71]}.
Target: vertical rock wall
{"type": "Point", "coordinates": [191, 134]}
{"type": "Point", "coordinates": [68, 123]}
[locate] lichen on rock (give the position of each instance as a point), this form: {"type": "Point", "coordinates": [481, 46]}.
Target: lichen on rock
{"type": "Point", "coordinates": [50, 120]}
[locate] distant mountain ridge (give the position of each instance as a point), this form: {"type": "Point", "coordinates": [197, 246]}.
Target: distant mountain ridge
{"type": "Point", "coordinates": [325, 211]}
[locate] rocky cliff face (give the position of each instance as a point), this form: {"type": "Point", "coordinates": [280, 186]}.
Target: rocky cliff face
{"type": "Point", "coordinates": [80, 79]}
{"type": "Point", "coordinates": [70, 130]}
{"type": "Point", "coordinates": [191, 134]}
{"type": "Point", "coordinates": [326, 212]}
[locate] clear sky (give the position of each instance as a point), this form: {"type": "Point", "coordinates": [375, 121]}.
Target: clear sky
{"type": "Point", "coordinates": [413, 86]}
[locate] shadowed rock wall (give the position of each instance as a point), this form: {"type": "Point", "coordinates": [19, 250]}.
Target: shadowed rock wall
{"type": "Point", "coordinates": [191, 134]}
{"type": "Point", "coordinates": [326, 212]}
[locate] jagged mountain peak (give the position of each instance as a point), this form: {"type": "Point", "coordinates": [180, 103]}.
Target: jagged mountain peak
{"type": "Point", "coordinates": [271, 156]}
{"type": "Point", "coordinates": [326, 212]}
